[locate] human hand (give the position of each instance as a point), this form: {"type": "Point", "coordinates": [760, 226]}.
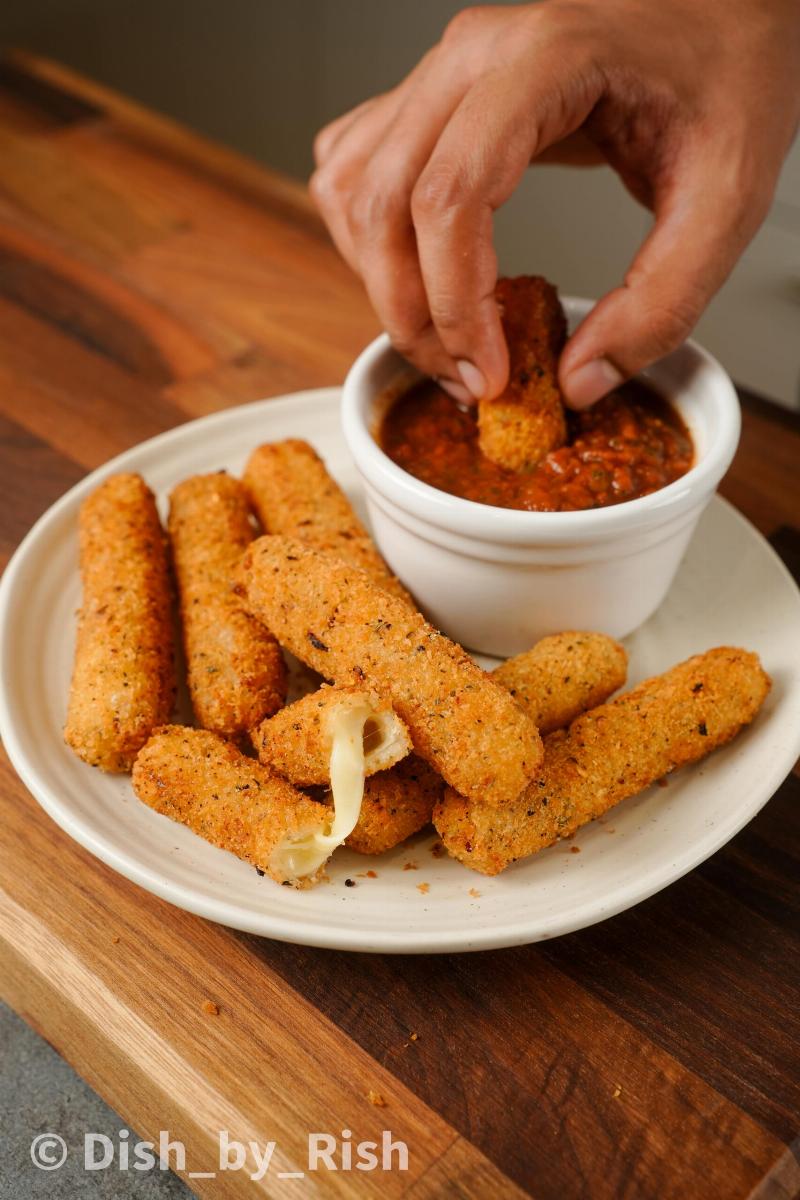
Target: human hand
{"type": "Point", "coordinates": [694, 105]}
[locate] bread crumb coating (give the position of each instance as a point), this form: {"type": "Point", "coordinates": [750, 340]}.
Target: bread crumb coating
{"type": "Point", "coordinates": [337, 620]}
{"type": "Point", "coordinates": [123, 680]}
{"type": "Point", "coordinates": [202, 781]}
{"type": "Point", "coordinates": [294, 495]}
{"type": "Point", "coordinates": [235, 668]}
{"type": "Point", "coordinates": [608, 754]}
{"type": "Point", "coordinates": [519, 427]}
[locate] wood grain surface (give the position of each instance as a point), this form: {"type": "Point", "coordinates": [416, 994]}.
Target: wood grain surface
{"type": "Point", "coordinates": [148, 277]}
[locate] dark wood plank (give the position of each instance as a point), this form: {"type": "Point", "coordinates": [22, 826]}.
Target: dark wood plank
{"type": "Point", "coordinates": [102, 310]}
{"type": "Point", "coordinates": [32, 477]}
{"type": "Point", "coordinates": [51, 106]}
{"type": "Point", "coordinates": [69, 394]}
{"type": "Point", "coordinates": [762, 481]}
{"type": "Point", "coordinates": [162, 140]}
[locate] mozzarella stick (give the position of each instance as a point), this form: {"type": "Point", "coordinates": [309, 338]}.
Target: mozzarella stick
{"type": "Point", "coordinates": [298, 741]}
{"type": "Point", "coordinates": [236, 671]}
{"type": "Point", "coordinates": [609, 754]}
{"type": "Point", "coordinates": [555, 682]}
{"type": "Point", "coordinates": [396, 804]}
{"type": "Point", "coordinates": [563, 675]}
{"type": "Point", "coordinates": [294, 496]}
{"type": "Point", "coordinates": [336, 620]}
{"type": "Point", "coordinates": [204, 782]}
{"type": "Point", "coordinates": [123, 679]}
{"type": "Point", "coordinates": [519, 427]}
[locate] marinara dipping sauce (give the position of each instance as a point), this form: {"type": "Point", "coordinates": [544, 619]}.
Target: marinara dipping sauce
{"type": "Point", "coordinates": [627, 445]}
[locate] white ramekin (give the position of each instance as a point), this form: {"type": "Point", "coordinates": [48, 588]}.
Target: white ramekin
{"type": "Point", "coordinates": [496, 579]}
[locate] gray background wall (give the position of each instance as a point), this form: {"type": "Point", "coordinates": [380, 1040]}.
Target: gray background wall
{"type": "Point", "coordinates": [263, 76]}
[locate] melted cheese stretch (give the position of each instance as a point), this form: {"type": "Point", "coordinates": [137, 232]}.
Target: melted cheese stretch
{"type": "Point", "coordinates": [304, 855]}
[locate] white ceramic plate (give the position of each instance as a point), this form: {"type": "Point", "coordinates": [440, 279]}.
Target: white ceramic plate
{"type": "Point", "coordinates": [731, 588]}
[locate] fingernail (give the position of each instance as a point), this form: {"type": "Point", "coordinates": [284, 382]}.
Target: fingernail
{"type": "Point", "coordinates": [591, 382]}
{"type": "Point", "coordinates": [472, 377]}
{"type": "Point", "coordinates": [456, 390]}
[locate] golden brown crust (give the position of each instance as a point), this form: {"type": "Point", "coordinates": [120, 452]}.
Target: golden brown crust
{"type": "Point", "coordinates": [202, 781]}
{"type": "Point", "coordinates": [555, 682]}
{"type": "Point", "coordinates": [334, 618]}
{"type": "Point", "coordinates": [297, 742]}
{"type": "Point", "coordinates": [563, 675]}
{"type": "Point", "coordinates": [608, 754]}
{"type": "Point", "coordinates": [520, 426]}
{"type": "Point", "coordinates": [236, 671]}
{"type": "Point", "coordinates": [123, 681]}
{"type": "Point", "coordinates": [396, 804]}
{"type": "Point", "coordinates": [293, 495]}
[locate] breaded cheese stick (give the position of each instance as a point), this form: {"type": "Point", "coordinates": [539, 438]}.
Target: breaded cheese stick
{"type": "Point", "coordinates": [520, 426]}
{"type": "Point", "coordinates": [298, 741]}
{"type": "Point", "coordinates": [609, 754]}
{"type": "Point", "coordinates": [200, 780]}
{"type": "Point", "coordinates": [396, 804]}
{"type": "Point", "coordinates": [563, 675]}
{"type": "Point", "coordinates": [294, 496]}
{"type": "Point", "coordinates": [334, 618]}
{"type": "Point", "coordinates": [555, 682]}
{"type": "Point", "coordinates": [236, 671]}
{"type": "Point", "coordinates": [123, 679]}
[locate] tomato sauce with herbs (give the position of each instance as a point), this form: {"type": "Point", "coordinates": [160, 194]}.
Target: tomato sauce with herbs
{"type": "Point", "coordinates": [628, 445]}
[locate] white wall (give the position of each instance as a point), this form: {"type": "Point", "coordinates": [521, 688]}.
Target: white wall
{"type": "Point", "coordinates": [263, 75]}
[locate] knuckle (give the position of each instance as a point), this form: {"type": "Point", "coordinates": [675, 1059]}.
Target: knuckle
{"type": "Point", "coordinates": [447, 314]}
{"type": "Point", "coordinates": [405, 343]}
{"type": "Point", "coordinates": [467, 22]}
{"type": "Point", "coordinates": [670, 323]}
{"type": "Point", "coordinates": [407, 332]}
{"type": "Point", "coordinates": [327, 187]}
{"type": "Point", "coordinates": [373, 206]}
{"type": "Point", "coordinates": [437, 192]}
{"type": "Point", "coordinates": [321, 143]}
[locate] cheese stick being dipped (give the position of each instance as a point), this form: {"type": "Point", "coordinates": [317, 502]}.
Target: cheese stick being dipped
{"type": "Point", "coordinates": [298, 741]}
{"type": "Point", "coordinates": [334, 618]}
{"type": "Point", "coordinates": [236, 671]}
{"type": "Point", "coordinates": [204, 782]}
{"type": "Point", "coordinates": [554, 682]}
{"type": "Point", "coordinates": [519, 427]}
{"type": "Point", "coordinates": [294, 496]}
{"type": "Point", "coordinates": [123, 681]}
{"type": "Point", "coordinates": [609, 754]}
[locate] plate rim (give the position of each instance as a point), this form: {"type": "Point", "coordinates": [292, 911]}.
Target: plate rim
{"type": "Point", "coordinates": [300, 930]}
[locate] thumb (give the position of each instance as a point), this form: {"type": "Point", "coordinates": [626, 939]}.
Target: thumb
{"type": "Point", "coordinates": [695, 242]}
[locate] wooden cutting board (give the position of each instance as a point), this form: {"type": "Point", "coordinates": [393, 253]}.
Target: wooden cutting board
{"type": "Point", "coordinates": [148, 277]}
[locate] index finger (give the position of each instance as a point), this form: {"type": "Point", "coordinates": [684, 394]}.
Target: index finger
{"type": "Point", "coordinates": [476, 165]}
